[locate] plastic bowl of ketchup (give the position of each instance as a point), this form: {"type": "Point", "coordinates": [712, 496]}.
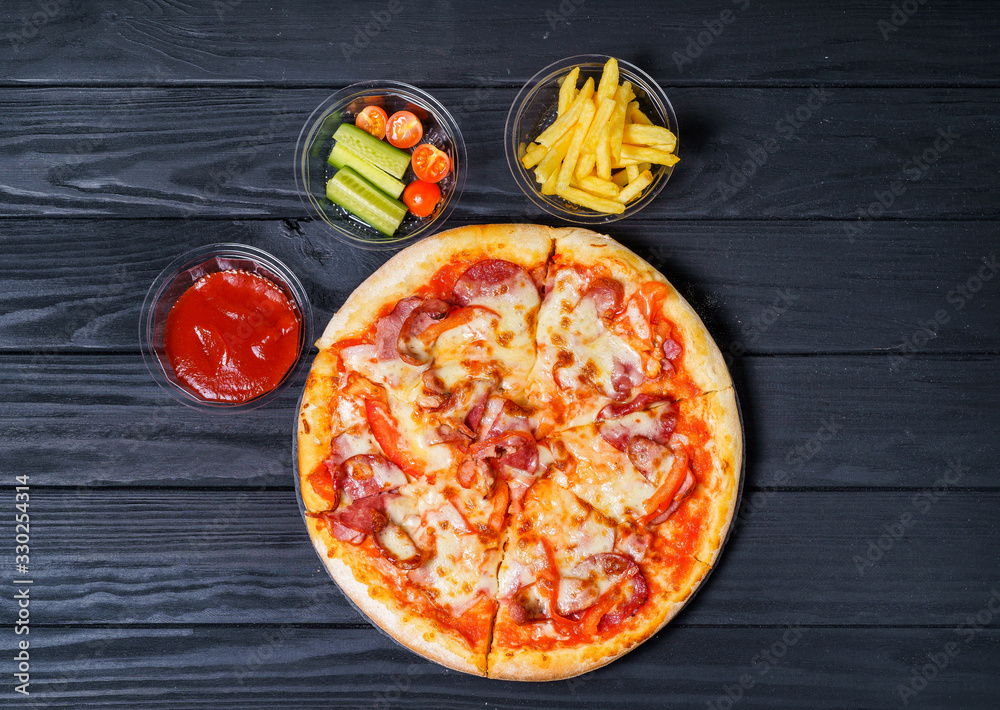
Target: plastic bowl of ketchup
{"type": "Point", "coordinates": [224, 328]}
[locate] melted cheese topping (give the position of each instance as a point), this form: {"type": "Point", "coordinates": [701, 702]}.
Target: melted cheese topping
{"type": "Point", "coordinates": [497, 342]}
{"type": "Point", "coordinates": [576, 351]}
{"type": "Point", "coordinates": [396, 375]}
{"type": "Point", "coordinates": [463, 566]}
{"type": "Point", "coordinates": [574, 532]}
{"type": "Point", "coordinates": [603, 475]}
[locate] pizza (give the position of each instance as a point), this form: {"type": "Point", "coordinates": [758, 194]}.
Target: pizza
{"type": "Point", "coordinates": [519, 450]}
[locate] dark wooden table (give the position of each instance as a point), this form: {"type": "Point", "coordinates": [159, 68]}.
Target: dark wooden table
{"type": "Point", "coordinates": [834, 219]}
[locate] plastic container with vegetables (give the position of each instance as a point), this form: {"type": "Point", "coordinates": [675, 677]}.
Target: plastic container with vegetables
{"type": "Point", "coordinates": [375, 168]}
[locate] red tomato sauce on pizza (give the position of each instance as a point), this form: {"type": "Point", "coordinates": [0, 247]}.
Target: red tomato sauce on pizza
{"type": "Point", "coordinates": [232, 336]}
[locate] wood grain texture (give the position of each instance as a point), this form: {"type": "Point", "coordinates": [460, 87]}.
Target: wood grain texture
{"type": "Point", "coordinates": [243, 557]}
{"type": "Point", "coordinates": [72, 285]}
{"type": "Point", "coordinates": [172, 569]}
{"type": "Point", "coordinates": [295, 42]}
{"type": "Point", "coordinates": [282, 667]}
{"type": "Point", "coordinates": [810, 421]}
{"type": "Point", "coordinates": [187, 152]}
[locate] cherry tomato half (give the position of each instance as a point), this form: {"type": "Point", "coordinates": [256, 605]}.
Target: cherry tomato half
{"type": "Point", "coordinates": [429, 163]}
{"type": "Point", "coordinates": [421, 197]}
{"type": "Point", "coordinates": [372, 120]}
{"type": "Point", "coordinates": [404, 130]}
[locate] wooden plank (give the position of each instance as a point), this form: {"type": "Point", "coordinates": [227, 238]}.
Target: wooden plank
{"type": "Point", "coordinates": [281, 667]}
{"type": "Point", "coordinates": [228, 152]}
{"type": "Point", "coordinates": [243, 557]}
{"type": "Point", "coordinates": [302, 43]}
{"type": "Point", "coordinates": [810, 421]}
{"type": "Point", "coordinates": [70, 286]}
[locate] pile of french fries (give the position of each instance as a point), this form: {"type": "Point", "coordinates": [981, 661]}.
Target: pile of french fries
{"type": "Point", "coordinates": [594, 133]}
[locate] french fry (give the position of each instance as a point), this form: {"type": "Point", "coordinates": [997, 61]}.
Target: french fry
{"type": "Point", "coordinates": [553, 159]}
{"type": "Point", "coordinates": [604, 110]}
{"type": "Point", "coordinates": [609, 81]}
{"type": "Point", "coordinates": [549, 186]}
{"type": "Point", "coordinates": [573, 154]}
{"type": "Point", "coordinates": [585, 165]}
{"type": "Point", "coordinates": [601, 188]}
{"type": "Point", "coordinates": [634, 188]}
{"type": "Point", "coordinates": [598, 204]}
{"type": "Point", "coordinates": [567, 91]}
{"type": "Point", "coordinates": [648, 135]}
{"type": "Point", "coordinates": [534, 153]}
{"type": "Point", "coordinates": [617, 126]}
{"type": "Point", "coordinates": [632, 172]}
{"type": "Point", "coordinates": [620, 178]}
{"type": "Point", "coordinates": [643, 167]}
{"type": "Point", "coordinates": [649, 155]}
{"type": "Point", "coordinates": [564, 123]}
{"type": "Point", "coordinates": [636, 116]}
{"type": "Point", "coordinates": [623, 163]}
{"type": "Point", "coordinates": [602, 154]}
{"type": "Point", "coordinates": [586, 91]}
{"type": "Point", "coordinates": [560, 126]}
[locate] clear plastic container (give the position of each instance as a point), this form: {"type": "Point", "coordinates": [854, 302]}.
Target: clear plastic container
{"type": "Point", "coordinates": [316, 141]}
{"type": "Point", "coordinates": [534, 109]}
{"type": "Point", "coordinates": [180, 275]}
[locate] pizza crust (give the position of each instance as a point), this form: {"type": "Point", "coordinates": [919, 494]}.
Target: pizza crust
{"type": "Point", "coordinates": [314, 425]}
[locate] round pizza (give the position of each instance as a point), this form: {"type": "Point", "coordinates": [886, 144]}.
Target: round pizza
{"type": "Point", "coordinates": [519, 450]}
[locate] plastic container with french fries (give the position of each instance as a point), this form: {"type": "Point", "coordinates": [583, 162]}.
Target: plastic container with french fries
{"type": "Point", "coordinates": [591, 139]}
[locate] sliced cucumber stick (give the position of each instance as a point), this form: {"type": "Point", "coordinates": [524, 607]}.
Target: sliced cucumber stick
{"type": "Point", "coordinates": [379, 153]}
{"type": "Point", "coordinates": [341, 155]}
{"type": "Point", "coordinates": [362, 199]}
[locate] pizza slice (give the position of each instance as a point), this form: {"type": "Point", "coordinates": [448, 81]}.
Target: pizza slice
{"type": "Point", "coordinates": [419, 560]}
{"type": "Point", "coordinates": [613, 331]}
{"type": "Point", "coordinates": [673, 469]}
{"type": "Point", "coordinates": [576, 591]}
{"type": "Point", "coordinates": [415, 548]}
{"type": "Point", "coordinates": [460, 307]}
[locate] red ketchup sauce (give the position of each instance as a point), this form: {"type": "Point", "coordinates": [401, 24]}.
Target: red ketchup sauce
{"type": "Point", "coordinates": [232, 336]}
